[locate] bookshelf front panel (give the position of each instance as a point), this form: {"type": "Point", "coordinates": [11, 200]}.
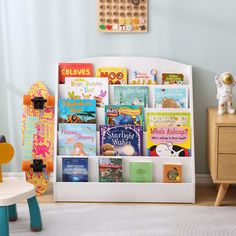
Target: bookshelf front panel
{"type": "Point", "coordinates": [125, 192]}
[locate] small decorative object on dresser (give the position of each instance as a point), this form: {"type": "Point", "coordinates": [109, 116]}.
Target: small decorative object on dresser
{"type": "Point", "coordinates": [224, 92]}
{"type": "Point", "coordinates": [221, 154]}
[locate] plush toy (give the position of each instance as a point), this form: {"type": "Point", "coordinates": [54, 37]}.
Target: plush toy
{"type": "Point", "coordinates": [225, 83]}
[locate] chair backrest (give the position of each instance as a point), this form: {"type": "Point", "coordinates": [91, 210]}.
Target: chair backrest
{"type": "Point", "coordinates": [6, 153]}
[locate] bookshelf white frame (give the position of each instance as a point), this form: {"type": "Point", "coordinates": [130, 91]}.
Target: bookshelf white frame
{"type": "Point", "coordinates": [157, 191]}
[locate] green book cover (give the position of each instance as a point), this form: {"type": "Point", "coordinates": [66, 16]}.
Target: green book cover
{"type": "Point", "coordinates": [140, 172]}
{"type": "Point", "coordinates": [155, 118]}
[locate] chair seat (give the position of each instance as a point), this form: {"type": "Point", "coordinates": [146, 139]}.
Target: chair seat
{"type": "Point", "coordinates": [13, 191]}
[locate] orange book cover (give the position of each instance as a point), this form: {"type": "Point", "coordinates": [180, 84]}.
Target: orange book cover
{"type": "Point", "coordinates": [74, 70]}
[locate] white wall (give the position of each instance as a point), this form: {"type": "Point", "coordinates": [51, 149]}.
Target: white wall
{"type": "Point", "coordinates": [36, 35]}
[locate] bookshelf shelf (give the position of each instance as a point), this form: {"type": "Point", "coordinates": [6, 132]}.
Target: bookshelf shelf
{"type": "Point", "coordinates": [94, 191]}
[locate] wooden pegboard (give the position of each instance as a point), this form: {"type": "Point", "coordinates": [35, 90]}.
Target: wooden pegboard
{"type": "Point", "coordinates": [123, 16]}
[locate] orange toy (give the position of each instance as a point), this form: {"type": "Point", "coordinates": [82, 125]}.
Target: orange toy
{"type": "Point", "coordinates": [6, 153]}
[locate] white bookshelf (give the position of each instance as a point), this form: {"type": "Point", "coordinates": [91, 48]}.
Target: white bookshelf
{"type": "Point", "coordinates": [94, 191]}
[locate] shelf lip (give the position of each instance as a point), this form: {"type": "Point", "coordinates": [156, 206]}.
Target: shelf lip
{"type": "Point", "coordinates": [124, 183]}
{"type": "Point", "coordinates": [131, 157]}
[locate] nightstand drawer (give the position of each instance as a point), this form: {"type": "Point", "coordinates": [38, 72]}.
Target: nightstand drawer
{"type": "Point", "coordinates": [227, 140]}
{"type": "Point", "coordinates": [226, 167]}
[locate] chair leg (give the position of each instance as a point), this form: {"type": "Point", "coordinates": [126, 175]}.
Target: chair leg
{"type": "Point", "coordinates": [35, 216]}
{"type": "Point", "coordinates": [12, 212]}
{"type": "Point", "coordinates": [4, 226]}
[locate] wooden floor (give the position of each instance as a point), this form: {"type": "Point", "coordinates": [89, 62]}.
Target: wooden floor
{"type": "Point", "coordinates": [205, 196]}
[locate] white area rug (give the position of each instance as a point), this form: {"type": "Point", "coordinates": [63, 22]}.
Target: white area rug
{"type": "Point", "coordinates": [128, 220]}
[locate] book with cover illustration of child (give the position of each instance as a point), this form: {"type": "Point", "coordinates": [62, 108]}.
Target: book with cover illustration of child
{"type": "Point", "coordinates": [131, 95]}
{"type": "Point", "coordinates": [77, 111]}
{"type": "Point", "coordinates": [121, 140]}
{"type": "Point", "coordinates": [110, 169]}
{"type": "Point", "coordinates": [124, 115]}
{"type": "Point", "coordinates": [168, 141]}
{"type": "Point", "coordinates": [87, 88]}
{"type": "Point", "coordinates": [168, 118]}
{"type": "Point", "coordinates": [115, 75]}
{"type": "Point", "coordinates": [171, 97]}
{"type": "Point", "coordinates": [77, 139]}
{"type": "Point", "coordinates": [74, 169]}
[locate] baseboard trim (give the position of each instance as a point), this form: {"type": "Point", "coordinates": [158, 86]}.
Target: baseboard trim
{"type": "Point", "coordinates": [200, 178]}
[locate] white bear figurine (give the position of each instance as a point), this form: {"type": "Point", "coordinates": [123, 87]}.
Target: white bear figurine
{"type": "Point", "coordinates": [225, 83]}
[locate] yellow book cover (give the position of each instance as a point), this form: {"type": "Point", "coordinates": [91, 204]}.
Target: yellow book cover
{"type": "Point", "coordinates": [115, 75]}
{"type": "Point", "coordinates": [169, 141]}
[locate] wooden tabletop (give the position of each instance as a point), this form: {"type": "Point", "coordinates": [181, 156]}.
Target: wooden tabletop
{"type": "Point", "coordinates": [13, 191]}
{"type": "Point", "coordinates": [224, 120]}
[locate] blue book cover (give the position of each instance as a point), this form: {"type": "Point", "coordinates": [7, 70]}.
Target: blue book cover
{"type": "Point", "coordinates": [131, 95]}
{"type": "Point", "coordinates": [167, 97]}
{"type": "Point", "coordinates": [121, 140]}
{"type": "Point", "coordinates": [74, 169]}
{"type": "Point", "coordinates": [77, 139]}
{"type": "Point", "coordinates": [124, 115]}
{"type": "Point", "coordinates": [77, 111]}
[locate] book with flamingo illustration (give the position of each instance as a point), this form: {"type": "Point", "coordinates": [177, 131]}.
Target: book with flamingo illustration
{"type": "Point", "coordinates": [88, 88]}
{"type": "Point", "coordinates": [77, 139]}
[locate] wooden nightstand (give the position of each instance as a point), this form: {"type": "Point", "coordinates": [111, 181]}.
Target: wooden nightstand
{"type": "Point", "coordinates": [221, 154]}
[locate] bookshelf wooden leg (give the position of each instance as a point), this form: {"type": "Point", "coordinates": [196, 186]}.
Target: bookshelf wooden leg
{"type": "Point", "coordinates": [221, 194]}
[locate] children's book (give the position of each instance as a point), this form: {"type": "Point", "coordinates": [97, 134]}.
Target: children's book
{"type": "Point", "coordinates": [156, 118]}
{"type": "Point", "coordinates": [77, 139]}
{"type": "Point", "coordinates": [110, 169]}
{"type": "Point", "coordinates": [74, 70]}
{"type": "Point", "coordinates": [172, 78]}
{"type": "Point", "coordinates": [172, 172]}
{"type": "Point", "coordinates": [74, 169]}
{"type": "Point", "coordinates": [168, 141]}
{"type": "Point", "coordinates": [115, 75]}
{"type": "Point", "coordinates": [171, 97]}
{"type": "Point", "coordinates": [121, 140]}
{"type": "Point", "coordinates": [140, 171]}
{"type": "Point", "coordinates": [143, 76]}
{"type": "Point", "coordinates": [131, 95]}
{"type": "Point", "coordinates": [124, 115]}
{"type": "Point", "coordinates": [77, 111]}
{"type": "Point", "coordinates": [88, 88]}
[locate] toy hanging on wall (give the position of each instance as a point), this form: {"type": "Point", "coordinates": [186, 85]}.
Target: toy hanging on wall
{"type": "Point", "coordinates": [225, 83]}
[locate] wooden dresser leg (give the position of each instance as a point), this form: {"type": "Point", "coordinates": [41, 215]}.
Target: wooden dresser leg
{"type": "Point", "coordinates": [221, 194]}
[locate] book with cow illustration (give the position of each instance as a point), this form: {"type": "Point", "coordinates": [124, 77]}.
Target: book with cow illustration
{"type": "Point", "coordinates": [167, 141]}
{"type": "Point", "coordinates": [87, 88]}
{"type": "Point", "coordinates": [77, 111]}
